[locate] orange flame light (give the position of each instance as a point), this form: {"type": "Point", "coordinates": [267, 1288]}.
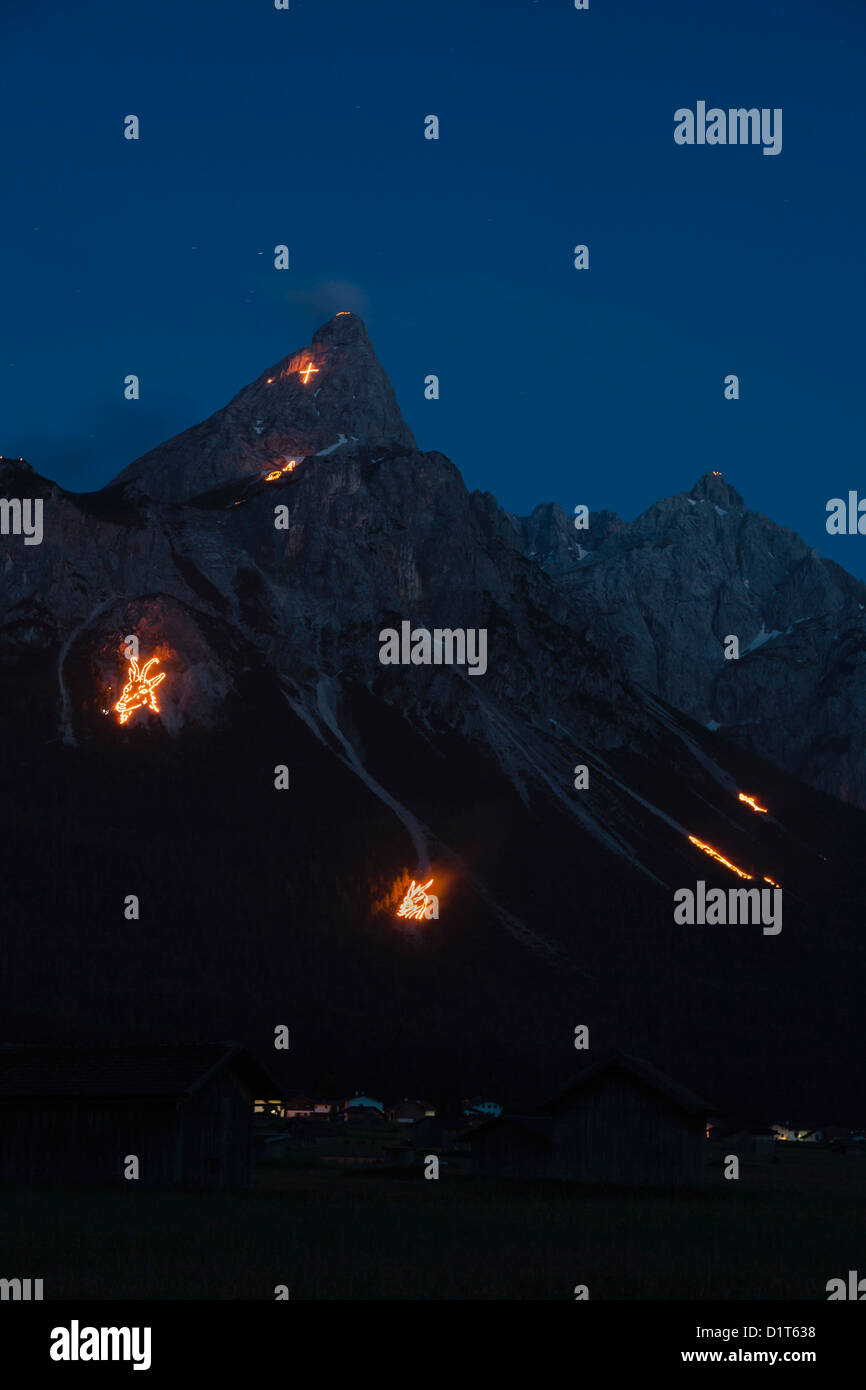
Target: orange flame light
{"type": "Point", "coordinates": [714, 854]}
{"type": "Point", "coordinates": [306, 371]}
{"type": "Point", "coordinates": [139, 689]}
{"type": "Point", "coordinates": [750, 801]}
{"type": "Point", "coordinates": [278, 472]}
{"type": "Point", "coordinates": [415, 902]}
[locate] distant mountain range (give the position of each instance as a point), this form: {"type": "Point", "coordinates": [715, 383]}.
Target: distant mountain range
{"type": "Point", "coordinates": [259, 556]}
{"type": "Point", "coordinates": [666, 590]}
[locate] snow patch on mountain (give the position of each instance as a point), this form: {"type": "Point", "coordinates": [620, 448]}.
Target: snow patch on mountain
{"type": "Point", "coordinates": [322, 453]}
{"type": "Point", "coordinates": [762, 637]}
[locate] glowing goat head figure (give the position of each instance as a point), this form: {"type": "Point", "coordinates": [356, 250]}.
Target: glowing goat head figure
{"type": "Point", "coordinates": [139, 689]}
{"type": "Point", "coordinates": [418, 903]}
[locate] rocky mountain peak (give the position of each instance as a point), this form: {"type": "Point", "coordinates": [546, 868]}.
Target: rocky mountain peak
{"type": "Point", "coordinates": [345, 328]}
{"type": "Point", "coordinates": [331, 393]}
{"type": "Point", "coordinates": [712, 487]}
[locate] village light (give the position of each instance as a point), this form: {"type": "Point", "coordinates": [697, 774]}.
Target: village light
{"type": "Point", "coordinates": [139, 689]}
{"type": "Point", "coordinates": [751, 801]}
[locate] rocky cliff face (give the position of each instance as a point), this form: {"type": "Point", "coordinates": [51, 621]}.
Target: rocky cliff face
{"type": "Point", "coordinates": [262, 588]}
{"type": "Point", "coordinates": [665, 591]}
{"type": "Point", "coordinates": [331, 391]}
{"type": "Point", "coordinates": [306, 540]}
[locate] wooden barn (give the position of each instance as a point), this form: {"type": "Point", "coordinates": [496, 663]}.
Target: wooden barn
{"type": "Point", "coordinates": [512, 1146]}
{"type": "Point", "coordinates": [622, 1121]}
{"type": "Point", "coordinates": [73, 1116]}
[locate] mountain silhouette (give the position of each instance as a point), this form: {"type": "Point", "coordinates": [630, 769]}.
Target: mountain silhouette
{"type": "Point", "coordinates": [258, 557]}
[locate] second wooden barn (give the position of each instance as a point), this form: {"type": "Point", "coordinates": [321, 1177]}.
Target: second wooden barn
{"type": "Point", "coordinates": [623, 1121]}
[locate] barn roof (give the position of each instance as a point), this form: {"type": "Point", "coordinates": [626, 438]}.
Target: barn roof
{"type": "Point", "coordinates": [641, 1070]}
{"type": "Point", "coordinates": [160, 1071]}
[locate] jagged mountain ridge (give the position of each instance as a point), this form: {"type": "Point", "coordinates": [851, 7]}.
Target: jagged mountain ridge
{"type": "Point", "coordinates": [555, 900]}
{"type": "Point", "coordinates": [665, 590]}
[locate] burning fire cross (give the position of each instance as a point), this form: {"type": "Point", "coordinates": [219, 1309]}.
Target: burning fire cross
{"type": "Point", "coordinates": [139, 689]}
{"type": "Point", "coordinates": [418, 903]}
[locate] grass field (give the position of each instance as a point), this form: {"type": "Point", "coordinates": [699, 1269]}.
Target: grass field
{"type": "Point", "coordinates": [781, 1231]}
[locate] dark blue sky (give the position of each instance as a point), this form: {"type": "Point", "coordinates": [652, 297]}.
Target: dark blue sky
{"type": "Point", "coordinates": [306, 127]}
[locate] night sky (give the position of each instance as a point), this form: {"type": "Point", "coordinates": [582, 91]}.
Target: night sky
{"type": "Point", "coordinates": [305, 126]}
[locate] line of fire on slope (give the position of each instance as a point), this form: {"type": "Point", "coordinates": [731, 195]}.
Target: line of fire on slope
{"type": "Point", "coordinates": [742, 906]}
